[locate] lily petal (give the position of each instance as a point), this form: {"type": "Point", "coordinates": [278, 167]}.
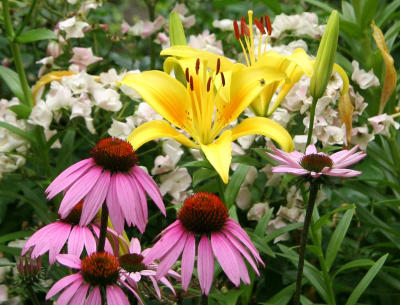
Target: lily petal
{"type": "Point", "coordinates": [47, 78]}
{"type": "Point", "coordinates": [219, 154]}
{"type": "Point", "coordinates": [164, 94]}
{"type": "Point", "coordinates": [154, 130]}
{"type": "Point", "coordinates": [266, 127]}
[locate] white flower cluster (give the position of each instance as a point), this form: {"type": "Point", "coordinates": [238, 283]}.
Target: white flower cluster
{"type": "Point", "coordinates": [303, 24]}
{"type": "Point", "coordinates": [81, 94]}
{"type": "Point", "coordinates": [12, 147]}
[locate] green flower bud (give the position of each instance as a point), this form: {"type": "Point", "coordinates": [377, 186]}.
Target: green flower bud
{"type": "Point", "coordinates": [325, 57]}
{"type": "Point", "coordinates": [176, 33]}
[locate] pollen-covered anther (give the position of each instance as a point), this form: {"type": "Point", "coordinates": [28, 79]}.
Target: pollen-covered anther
{"type": "Point", "coordinates": [187, 74]}
{"type": "Point", "coordinates": [132, 262]}
{"type": "Point", "coordinates": [74, 216]}
{"type": "Point", "coordinates": [236, 28]}
{"type": "Point", "coordinates": [244, 29]}
{"type": "Point", "coordinates": [316, 162]}
{"type": "Point", "coordinates": [268, 24]}
{"type": "Point", "coordinates": [222, 79]}
{"type": "Point", "coordinates": [203, 213]}
{"type": "Point", "coordinates": [191, 83]}
{"type": "Point", "coordinates": [218, 66]}
{"type": "Point", "coordinates": [100, 268]}
{"type": "Point", "coordinates": [197, 66]}
{"type": "Point", "coordinates": [209, 84]}
{"type": "Point", "coordinates": [259, 25]}
{"type": "Point", "coordinates": [114, 155]}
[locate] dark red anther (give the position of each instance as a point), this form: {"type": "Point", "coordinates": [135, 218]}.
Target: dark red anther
{"type": "Point", "coordinates": [197, 66]}
{"type": "Point", "coordinates": [245, 29]}
{"type": "Point", "coordinates": [187, 74]}
{"type": "Point", "coordinates": [191, 83]}
{"type": "Point", "coordinates": [209, 84]}
{"type": "Point", "coordinates": [259, 25]}
{"type": "Point", "coordinates": [268, 25]}
{"type": "Point", "coordinates": [218, 65]}
{"type": "Point", "coordinates": [223, 79]}
{"type": "Point", "coordinates": [236, 28]}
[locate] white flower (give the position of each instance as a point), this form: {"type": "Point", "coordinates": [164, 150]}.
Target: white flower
{"type": "Point", "coordinates": [293, 214]}
{"type": "Point", "coordinates": [257, 211]}
{"type": "Point", "coordinates": [362, 78]}
{"type": "Point", "coordinates": [107, 99]}
{"type": "Point", "coordinates": [182, 11]}
{"type": "Point", "coordinates": [79, 83]}
{"type": "Point", "coordinates": [81, 107]}
{"type": "Point", "coordinates": [281, 116]}
{"type": "Point", "coordinates": [246, 141]}
{"type": "Point", "coordinates": [173, 150]}
{"type": "Point", "coordinates": [145, 113]}
{"type": "Point", "coordinates": [73, 28]}
{"type": "Point", "coordinates": [224, 24]}
{"type": "Point", "coordinates": [304, 24]}
{"type": "Point", "coordinates": [361, 137]}
{"type": "Point", "coordinates": [175, 183]}
{"type": "Point", "coordinates": [206, 42]}
{"type": "Point", "coordinates": [382, 123]}
{"type": "Point", "coordinates": [41, 115]}
{"type": "Point", "coordinates": [243, 199]}
{"type": "Point", "coordinates": [162, 164]}
{"type": "Point", "coordinates": [3, 294]}
{"type": "Point", "coordinates": [58, 97]}
{"type": "Point", "coordinates": [276, 224]}
{"type": "Point", "coordinates": [83, 57]}
{"type": "Point", "coordinates": [47, 63]}
{"type": "Point", "coordinates": [120, 129]}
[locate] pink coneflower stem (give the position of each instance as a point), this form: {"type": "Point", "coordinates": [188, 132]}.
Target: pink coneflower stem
{"type": "Point", "coordinates": [103, 228]}
{"type": "Point", "coordinates": [303, 239]}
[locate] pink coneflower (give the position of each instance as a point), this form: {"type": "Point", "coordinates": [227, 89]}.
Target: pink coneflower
{"type": "Point", "coordinates": [317, 164]}
{"type": "Point", "coordinates": [204, 217]}
{"type": "Point", "coordinates": [111, 174]}
{"type": "Point", "coordinates": [135, 269]}
{"type": "Point", "coordinates": [99, 270]}
{"type": "Point", "coordinates": [53, 237]}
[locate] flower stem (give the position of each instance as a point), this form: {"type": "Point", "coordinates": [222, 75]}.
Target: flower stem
{"type": "Point", "coordinates": [103, 228]}
{"type": "Point", "coordinates": [32, 295]}
{"type": "Point", "coordinates": [16, 54]}
{"type": "Point", "coordinates": [204, 299]}
{"type": "Point", "coordinates": [303, 241]}
{"type": "Point", "coordinates": [311, 123]}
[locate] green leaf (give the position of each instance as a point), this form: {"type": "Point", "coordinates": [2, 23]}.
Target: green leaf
{"type": "Point", "coordinates": [10, 250]}
{"type": "Point", "coordinates": [12, 81]}
{"type": "Point", "coordinates": [337, 238]}
{"type": "Point", "coordinates": [282, 297]}
{"type": "Point", "coordinates": [18, 131]}
{"type": "Point", "coordinates": [320, 4]}
{"type": "Point", "coordinates": [229, 298]}
{"type": "Point", "coordinates": [246, 160]}
{"type": "Point", "coordinates": [176, 32]}
{"type": "Point", "coordinates": [22, 111]}
{"type": "Point", "coordinates": [385, 14]}
{"type": "Point", "coordinates": [234, 184]}
{"type": "Point", "coordinates": [14, 236]}
{"type": "Point", "coordinates": [202, 174]}
{"type": "Point", "coordinates": [36, 35]}
{"type": "Point", "coordinates": [204, 163]}
{"type": "Point", "coordinates": [368, 12]}
{"type": "Point", "coordinates": [262, 224]}
{"type": "Point", "coordinates": [260, 244]}
{"type": "Point", "coordinates": [364, 262]}
{"type": "Point", "coordinates": [67, 148]}
{"type": "Point", "coordinates": [280, 231]}
{"type": "Point", "coordinates": [366, 280]}
{"type": "Point", "coordinates": [318, 224]}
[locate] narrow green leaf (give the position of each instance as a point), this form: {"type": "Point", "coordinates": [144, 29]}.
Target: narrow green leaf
{"type": "Point", "coordinates": [67, 148]}
{"type": "Point", "coordinates": [320, 4]}
{"type": "Point", "coordinates": [36, 35]}
{"type": "Point", "coordinates": [202, 174]}
{"type": "Point", "coordinates": [12, 81]}
{"type": "Point", "coordinates": [368, 12]}
{"type": "Point", "coordinates": [176, 32]}
{"type": "Point", "coordinates": [14, 236]}
{"type": "Point", "coordinates": [17, 131]}
{"type": "Point", "coordinates": [366, 280]}
{"type": "Point", "coordinates": [23, 111]}
{"type": "Point", "coordinates": [260, 244]}
{"type": "Point", "coordinates": [204, 163]}
{"type": "Point", "coordinates": [364, 262]}
{"type": "Point", "coordinates": [280, 231]}
{"type": "Point", "coordinates": [337, 238]}
{"type": "Point", "coordinates": [282, 297]}
{"type": "Point", "coordinates": [262, 224]}
{"type": "Point", "coordinates": [318, 224]}
{"type": "Point", "coordinates": [10, 250]}
{"type": "Point", "coordinates": [234, 184]}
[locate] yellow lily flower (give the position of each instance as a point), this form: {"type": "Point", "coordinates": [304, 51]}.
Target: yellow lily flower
{"type": "Point", "coordinates": [201, 111]}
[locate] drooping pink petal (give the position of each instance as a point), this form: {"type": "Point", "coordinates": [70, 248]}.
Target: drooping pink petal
{"type": "Point", "coordinates": [350, 160]}
{"type": "Point", "coordinates": [243, 273]}
{"type": "Point", "coordinates": [126, 197]}
{"type": "Point", "coordinates": [289, 170]}
{"type": "Point", "coordinates": [115, 296]}
{"type": "Point", "coordinates": [69, 260]}
{"type": "Point", "coordinates": [171, 256]}
{"type": "Point", "coordinates": [285, 158]}
{"type": "Point", "coordinates": [90, 242]}
{"type": "Point", "coordinates": [170, 227]}
{"type": "Point", "coordinates": [94, 297]}
{"type": "Point", "coordinates": [134, 246]}
{"type": "Point", "coordinates": [242, 250]}
{"type": "Point", "coordinates": [155, 285]}
{"type": "Point", "coordinates": [311, 149]}
{"type": "Point", "coordinates": [205, 265]}
{"type": "Point", "coordinates": [236, 230]}
{"type": "Point", "coordinates": [339, 156]}
{"type": "Point", "coordinates": [69, 292]}
{"type": "Point", "coordinates": [226, 257]}
{"type": "Point", "coordinates": [166, 242]}
{"type": "Point", "coordinates": [68, 176]}
{"type": "Point", "coordinates": [40, 236]}
{"type": "Point", "coordinates": [80, 295]}
{"type": "Point", "coordinates": [149, 186]}
{"type": "Point", "coordinates": [343, 172]}
{"type": "Point", "coordinates": [168, 284]}
{"type": "Point", "coordinates": [114, 209]}
{"type": "Point", "coordinates": [58, 242]}
{"type": "Point", "coordinates": [141, 205]}
{"type": "Point", "coordinates": [95, 199]}
{"type": "Point", "coordinates": [188, 256]}
{"type": "Point", "coordinates": [76, 241]}
{"type": "Point", "coordinates": [79, 190]}
{"type": "Point", "coordinates": [62, 283]}
{"type": "Point", "coordinates": [133, 291]}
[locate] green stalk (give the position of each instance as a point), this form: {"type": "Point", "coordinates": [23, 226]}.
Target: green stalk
{"type": "Point", "coordinates": [204, 299]}
{"type": "Point", "coordinates": [311, 123]}
{"type": "Point", "coordinates": [27, 18]}
{"type": "Point", "coordinates": [303, 241]}
{"type": "Point", "coordinates": [16, 54]}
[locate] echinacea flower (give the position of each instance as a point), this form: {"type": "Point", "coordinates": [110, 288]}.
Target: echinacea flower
{"type": "Point", "coordinates": [134, 269]}
{"type": "Point", "coordinates": [99, 270]}
{"type": "Point", "coordinates": [204, 227]}
{"type": "Point", "coordinates": [315, 163]}
{"type": "Point", "coordinates": [201, 109]}
{"type": "Point", "coordinates": [67, 230]}
{"type": "Point", "coordinates": [110, 175]}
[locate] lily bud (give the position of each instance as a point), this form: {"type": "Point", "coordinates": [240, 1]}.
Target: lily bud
{"type": "Point", "coordinates": [176, 33]}
{"type": "Point", "coordinates": [325, 57]}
